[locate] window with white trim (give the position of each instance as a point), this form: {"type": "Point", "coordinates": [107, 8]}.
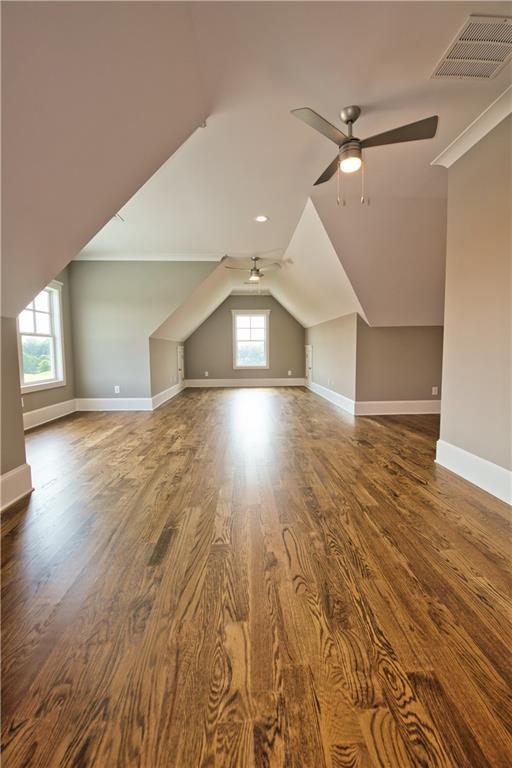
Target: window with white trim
{"type": "Point", "coordinates": [250, 338]}
{"type": "Point", "coordinates": [40, 341]}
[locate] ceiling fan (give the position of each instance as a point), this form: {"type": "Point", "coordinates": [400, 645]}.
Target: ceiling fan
{"type": "Point", "coordinates": [349, 157]}
{"type": "Point", "coordinates": [255, 273]}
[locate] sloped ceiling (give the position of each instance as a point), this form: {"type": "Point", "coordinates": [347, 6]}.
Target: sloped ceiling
{"type": "Point", "coordinates": [197, 307]}
{"type": "Point", "coordinates": [393, 253]}
{"type": "Point", "coordinates": [85, 131]}
{"type": "Point", "coordinates": [311, 284]}
{"type": "Point", "coordinates": [96, 96]}
{"type": "Point", "coordinates": [259, 60]}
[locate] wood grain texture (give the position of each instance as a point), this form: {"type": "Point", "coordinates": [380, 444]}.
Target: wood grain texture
{"type": "Point", "coordinates": [253, 578]}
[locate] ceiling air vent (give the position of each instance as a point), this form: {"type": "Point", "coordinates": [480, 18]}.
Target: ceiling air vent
{"type": "Point", "coordinates": [482, 47]}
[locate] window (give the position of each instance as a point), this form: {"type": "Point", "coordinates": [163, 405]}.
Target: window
{"type": "Point", "coordinates": [250, 338]}
{"type": "Point", "coordinates": [40, 341]}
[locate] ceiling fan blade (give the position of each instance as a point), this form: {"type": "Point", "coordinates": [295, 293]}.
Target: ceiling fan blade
{"type": "Point", "coordinates": [242, 269]}
{"type": "Point", "coordinates": [423, 129]}
{"type": "Point", "coordinates": [316, 121]}
{"type": "Point", "coordinates": [270, 267]}
{"type": "Point", "coordinates": [329, 172]}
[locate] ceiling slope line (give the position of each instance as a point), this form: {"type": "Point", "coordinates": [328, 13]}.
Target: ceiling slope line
{"type": "Point", "coordinates": [480, 127]}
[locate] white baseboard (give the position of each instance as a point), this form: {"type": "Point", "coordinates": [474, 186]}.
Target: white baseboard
{"type": "Point", "coordinates": [486, 475]}
{"type": "Point", "coordinates": [376, 407]}
{"type": "Point", "coordinates": [163, 397]}
{"type": "Point", "coordinates": [285, 382]}
{"type": "Point", "coordinates": [334, 397]}
{"type": "Point", "coordinates": [49, 413]}
{"type": "Point", "coordinates": [396, 407]}
{"type": "Point", "coordinates": [114, 404]}
{"type": "Point", "coordinates": [14, 485]}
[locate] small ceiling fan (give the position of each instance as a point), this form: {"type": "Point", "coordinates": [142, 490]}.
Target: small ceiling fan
{"type": "Point", "coordinates": [349, 157]}
{"type": "Point", "coordinates": [255, 273]}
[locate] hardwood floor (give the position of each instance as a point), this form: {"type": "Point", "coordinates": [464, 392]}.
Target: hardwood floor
{"type": "Point", "coordinates": [253, 578]}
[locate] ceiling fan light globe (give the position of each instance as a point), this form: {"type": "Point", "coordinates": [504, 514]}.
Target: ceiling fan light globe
{"type": "Point", "coordinates": [254, 278]}
{"type": "Point", "coordinates": [350, 164]}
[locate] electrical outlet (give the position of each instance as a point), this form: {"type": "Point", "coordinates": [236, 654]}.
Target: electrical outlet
{"type": "Point", "coordinates": [435, 390]}
{"type": "Point", "coordinates": [289, 373]}
{"type": "Point", "coordinates": [22, 403]}
{"type": "Point", "coordinates": [206, 374]}
{"type": "Point", "coordinates": [117, 389]}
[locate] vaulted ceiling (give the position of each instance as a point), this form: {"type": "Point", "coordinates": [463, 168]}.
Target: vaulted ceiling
{"type": "Point", "coordinates": [95, 97]}
{"type": "Point", "coordinates": [246, 65]}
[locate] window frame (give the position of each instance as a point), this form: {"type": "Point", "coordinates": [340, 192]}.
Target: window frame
{"type": "Point", "coordinates": [57, 334]}
{"type": "Point", "coordinates": [266, 314]}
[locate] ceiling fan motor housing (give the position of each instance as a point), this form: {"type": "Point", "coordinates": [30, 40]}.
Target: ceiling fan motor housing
{"type": "Point", "coordinates": [350, 114]}
{"type": "Point", "coordinates": [351, 148]}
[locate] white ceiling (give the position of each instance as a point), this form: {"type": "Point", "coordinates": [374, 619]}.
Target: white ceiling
{"type": "Point", "coordinates": [259, 61]}
{"type": "Point", "coordinates": [313, 290]}
{"type": "Point", "coordinates": [312, 284]}
{"type": "Point", "coordinates": [83, 133]}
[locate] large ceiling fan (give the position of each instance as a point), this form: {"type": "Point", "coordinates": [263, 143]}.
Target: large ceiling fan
{"type": "Point", "coordinates": [255, 273]}
{"type": "Point", "coordinates": [349, 157]}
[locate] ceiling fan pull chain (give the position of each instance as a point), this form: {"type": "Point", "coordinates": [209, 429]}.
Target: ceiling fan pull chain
{"type": "Point", "coordinates": [363, 198]}
{"type": "Point", "coordinates": [340, 196]}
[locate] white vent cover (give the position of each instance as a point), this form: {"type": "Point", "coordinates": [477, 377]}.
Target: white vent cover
{"type": "Point", "coordinates": [482, 47]}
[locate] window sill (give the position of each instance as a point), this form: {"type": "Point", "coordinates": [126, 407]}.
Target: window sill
{"type": "Point", "coordinates": [251, 367]}
{"type": "Point", "coordinates": [27, 388]}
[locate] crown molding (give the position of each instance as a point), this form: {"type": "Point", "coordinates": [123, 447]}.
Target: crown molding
{"type": "Point", "coordinates": [137, 256]}
{"type": "Point", "coordinates": [480, 127]}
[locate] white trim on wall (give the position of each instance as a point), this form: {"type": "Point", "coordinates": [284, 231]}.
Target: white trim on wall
{"type": "Point", "coordinates": [485, 474]}
{"type": "Point", "coordinates": [334, 397]}
{"type": "Point", "coordinates": [396, 407]}
{"type": "Point", "coordinates": [14, 485]}
{"type": "Point", "coordinates": [376, 407]}
{"type": "Point", "coordinates": [285, 382]}
{"type": "Point", "coordinates": [48, 413]}
{"type": "Point", "coordinates": [167, 394]}
{"type": "Point", "coordinates": [480, 127]}
{"type": "Point", "coordinates": [114, 404]}
{"type": "Point", "coordinates": [138, 256]}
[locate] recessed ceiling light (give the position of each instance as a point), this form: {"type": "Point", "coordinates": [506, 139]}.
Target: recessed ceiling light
{"type": "Point", "coordinates": [261, 218]}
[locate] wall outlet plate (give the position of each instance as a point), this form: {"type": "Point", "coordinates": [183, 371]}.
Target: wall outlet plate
{"type": "Point", "coordinates": [206, 374]}
{"type": "Point", "coordinates": [289, 373]}
{"type": "Point", "coordinates": [117, 389]}
{"type": "Point", "coordinates": [435, 390]}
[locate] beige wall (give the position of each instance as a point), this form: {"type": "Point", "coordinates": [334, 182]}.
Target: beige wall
{"type": "Point", "coordinates": [398, 363]}
{"type": "Point", "coordinates": [334, 354]}
{"type": "Point", "coordinates": [115, 307]}
{"type": "Point", "coordinates": [210, 347]}
{"type": "Point", "coordinates": [163, 362]}
{"type": "Point", "coordinates": [34, 400]}
{"type": "Point", "coordinates": [373, 364]}
{"type": "Point", "coordinates": [12, 439]}
{"type": "Point", "coordinates": [476, 404]}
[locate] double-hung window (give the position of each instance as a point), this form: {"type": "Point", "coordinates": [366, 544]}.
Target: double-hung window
{"type": "Point", "coordinates": [40, 341]}
{"type": "Point", "coordinates": [250, 338]}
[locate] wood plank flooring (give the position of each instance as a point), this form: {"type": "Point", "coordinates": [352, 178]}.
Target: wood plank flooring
{"type": "Point", "coordinates": [253, 578]}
